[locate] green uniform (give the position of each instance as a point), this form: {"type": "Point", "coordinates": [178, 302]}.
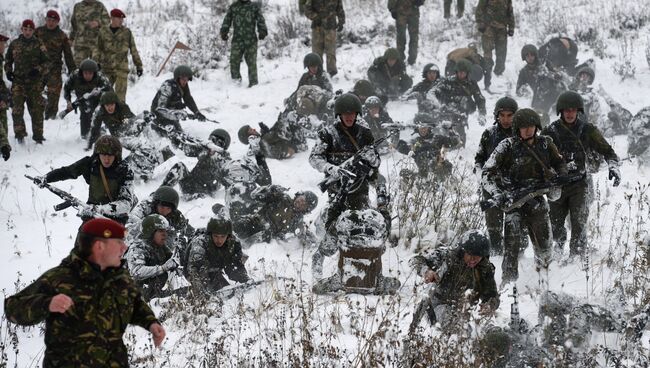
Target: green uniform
{"type": "Point", "coordinates": [244, 16]}
{"type": "Point", "coordinates": [145, 260]}
{"type": "Point", "coordinates": [389, 81]}
{"type": "Point", "coordinates": [77, 84]}
{"type": "Point", "coordinates": [495, 21]}
{"type": "Point", "coordinates": [208, 263]}
{"type": "Point", "coordinates": [27, 61]}
{"type": "Point", "coordinates": [407, 16]}
{"type": "Point", "coordinates": [83, 36]}
{"type": "Point", "coordinates": [90, 333]}
{"type": "Point", "coordinates": [114, 45]}
{"type": "Point", "coordinates": [326, 16]}
{"type": "Point", "coordinates": [116, 122]}
{"type": "Point", "coordinates": [5, 96]}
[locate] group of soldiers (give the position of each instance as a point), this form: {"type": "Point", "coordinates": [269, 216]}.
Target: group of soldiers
{"type": "Point", "coordinates": [534, 174]}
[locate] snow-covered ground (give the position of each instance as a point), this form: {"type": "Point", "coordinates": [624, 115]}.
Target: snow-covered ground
{"type": "Point", "coordinates": [282, 321]}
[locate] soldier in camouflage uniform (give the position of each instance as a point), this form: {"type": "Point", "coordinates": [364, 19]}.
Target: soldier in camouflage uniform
{"type": "Point", "coordinates": [114, 44]}
{"type": "Point", "coordinates": [504, 110]}
{"type": "Point", "coordinates": [638, 141]}
{"type": "Point", "coordinates": [456, 271]}
{"type": "Point", "coordinates": [479, 66]}
{"type": "Point", "coordinates": [244, 16]}
{"type": "Point", "coordinates": [460, 8]}
{"type": "Point", "coordinates": [5, 98]}
{"type": "Point", "coordinates": [495, 21]}
{"type": "Point", "coordinates": [87, 302]}
{"type": "Point", "coordinates": [88, 84]}
{"type": "Point", "coordinates": [279, 142]}
{"type": "Point", "coordinates": [327, 17]}
{"type": "Point", "coordinates": [388, 74]}
{"type": "Point", "coordinates": [430, 78]}
{"type": "Point", "coordinates": [407, 15]}
{"type": "Point", "coordinates": [109, 179]}
{"type": "Point", "coordinates": [88, 18]}
{"type": "Point", "coordinates": [364, 89]}
{"type": "Point", "coordinates": [560, 54]}
{"type": "Point", "coordinates": [213, 253]}
{"type": "Point", "coordinates": [173, 96]}
{"type": "Point", "coordinates": [5, 148]}
{"type": "Point", "coordinates": [111, 112]}
{"type": "Point", "coordinates": [26, 66]}
{"type": "Point", "coordinates": [380, 122]}
{"type": "Point", "coordinates": [581, 144]}
{"type": "Point", "coordinates": [314, 76]}
{"type": "Point", "coordinates": [56, 42]}
{"type": "Point", "coordinates": [529, 74]}
{"type": "Point", "coordinates": [520, 161]}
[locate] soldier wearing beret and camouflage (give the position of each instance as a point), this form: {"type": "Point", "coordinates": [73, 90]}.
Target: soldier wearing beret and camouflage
{"type": "Point", "coordinates": [496, 22]}
{"type": "Point", "coordinates": [86, 302]}
{"type": "Point", "coordinates": [114, 44]}
{"type": "Point", "coordinates": [26, 66]}
{"type": "Point", "coordinates": [88, 17]}
{"type": "Point", "coordinates": [56, 42]}
{"type": "Point", "coordinates": [327, 17]}
{"type": "Point", "coordinates": [244, 16]}
{"type": "Point", "coordinates": [407, 15]}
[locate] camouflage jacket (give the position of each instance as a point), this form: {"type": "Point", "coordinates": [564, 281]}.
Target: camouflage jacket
{"type": "Point", "coordinates": [77, 84]}
{"type": "Point", "coordinates": [581, 144]}
{"type": "Point", "coordinates": [4, 140]}
{"type": "Point", "coordinates": [528, 76]}
{"type": "Point", "coordinates": [90, 333]}
{"type": "Point", "coordinates": [119, 177]}
{"type": "Point", "coordinates": [496, 14]}
{"type": "Point", "coordinates": [639, 137]}
{"type": "Point", "coordinates": [115, 122]}
{"type": "Point", "coordinates": [457, 278]}
{"type": "Point", "coordinates": [382, 76]}
{"type": "Point", "coordinates": [334, 146]}
{"type": "Point", "coordinates": [114, 46]}
{"type": "Point", "coordinates": [208, 263]}
{"type": "Point", "coordinates": [405, 7]}
{"type": "Point", "coordinates": [556, 56]}
{"type": "Point", "coordinates": [25, 55]}
{"type": "Point", "coordinates": [378, 125]}
{"type": "Point", "coordinates": [209, 172]}
{"type": "Point", "coordinates": [82, 13]}
{"type": "Point", "coordinates": [324, 13]}
{"type": "Point", "coordinates": [145, 260]}
{"type": "Point", "coordinates": [424, 86]}
{"type": "Point", "coordinates": [320, 80]}
{"type": "Point", "coordinates": [277, 211]}
{"type": "Point", "coordinates": [56, 42]}
{"type": "Point", "coordinates": [458, 97]}
{"type": "Point", "coordinates": [244, 16]}
{"type": "Point", "coordinates": [171, 96]}
{"type": "Point", "coordinates": [274, 145]}
{"type": "Point", "coordinates": [490, 139]}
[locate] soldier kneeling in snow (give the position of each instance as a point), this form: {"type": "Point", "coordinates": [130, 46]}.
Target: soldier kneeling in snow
{"type": "Point", "coordinates": [361, 235]}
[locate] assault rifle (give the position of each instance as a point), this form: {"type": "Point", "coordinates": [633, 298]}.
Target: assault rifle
{"type": "Point", "coordinates": [84, 98]}
{"type": "Point", "coordinates": [195, 117]}
{"type": "Point", "coordinates": [232, 290]}
{"type": "Point", "coordinates": [68, 199]}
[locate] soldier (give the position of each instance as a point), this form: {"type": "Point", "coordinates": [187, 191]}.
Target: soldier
{"type": "Point", "coordinates": [150, 258]}
{"type": "Point", "coordinates": [173, 96]}
{"type": "Point", "coordinates": [504, 348]}
{"type": "Point", "coordinates": [327, 17]}
{"type": "Point", "coordinates": [456, 271]}
{"type": "Point", "coordinates": [388, 74]}
{"type": "Point", "coordinates": [521, 161]}
{"type": "Point", "coordinates": [529, 74]}
{"type": "Point", "coordinates": [5, 148]}
{"type": "Point", "coordinates": [87, 83]}
{"type": "Point", "coordinates": [560, 54]}
{"type": "Point", "coordinates": [314, 75]}
{"type": "Point", "coordinates": [479, 66]}
{"type": "Point", "coordinates": [26, 66]}
{"type": "Point", "coordinates": [5, 97]}
{"type": "Point", "coordinates": [639, 137]}
{"type": "Point", "coordinates": [273, 144]}
{"type": "Point", "coordinates": [109, 179]}
{"type": "Point", "coordinates": [583, 147]}
{"type": "Point", "coordinates": [111, 112]}
{"type": "Point", "coordinates": [379, 122]}
{"type": "Point", "coordinates": [364, 89]}
{"type": "Point", "coordinates": [244, 16]}
{"type": "Point", "coordinates": [495, 22]}
{"type": "Point", "coordinates": [114, 44]}
{"type": "Point", "coordinates": [504, 110]}
{"type": "Point", "coordinates": [430, 77]}
{"type": "Point", "coordinates": [56, 42]}
{"type": "Point", "coordinates": [86, 302]}
{"type": "Point", "coordinates": [460, 8]}
{"type": "Point", "coordinates": [406, 14]}
{"type": "Point", "coordinates": [213, 253]}
{"type": "Point", "coordinates": [88, 17]}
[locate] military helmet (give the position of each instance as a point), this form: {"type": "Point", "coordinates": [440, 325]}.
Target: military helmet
{"type": "Point", "coordinates": [347, 102]}
{"type": "Point", "coordinates": [109, 97]}
{"type": "Point", "coordinates": [242, 134]}
{"type": "Point", "coordinates": [475, 243]}
{"type": "Point", "coordinates": [108, 145]}
{"type": "Point", "coordinates": [311, 198]}
{"type": "Point", "coordinates": [183, 71]}
{"type": "Point", "coordinates": [505, 104]}
{"type": "Point", "coordinates": [464, 65]}
{"type": "Point", "coordinates": [166, 195]}
{"type": "Point", "coordinates": [88, 65]}
{"type": "Point", "coordinates": [373, 101]}
{"type": "Point", "coordinates": [153, 223]}
{"type": "Point", "coordinates": [220, 226]}
{"type": "Point", "coordinates": [363, 88]}
{"type": "Point", "coordinates": [476, 73]}
{"type": "Point", "coordinates": [528, 49]}
{"type": "Point", "coordinates": [424, 119]}
{"type": "Point", "coordinates": [219, 210]}
{"type": "Point", "coordinates": [361, 228]}
{"type": "Point", "coordinates": [525, 118]}
{"type": "Point", "coordinates": [391, 53]}
{"type": "Point", "coordinates": [589, 71]}
{"type": "Point", "coordinates": [431, 67]}
{"type": "Point", "coordinates": [220, 137]}
{"type": "Point", "coordinates": [313, 59]}
{"type": "Point", "coordinates": [569, 100]}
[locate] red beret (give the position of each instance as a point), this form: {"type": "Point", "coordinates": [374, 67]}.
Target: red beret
{"type": "Point", "coordinates": [103, 228]}
{"type": "Point", "coordinates": [117, 13]}
{"type": "Point", "coordinates": [3, 38]}
{"type": "Point", "coordinates": [28, 23]}
{"type": "Point", "coordinates": [53, 14]}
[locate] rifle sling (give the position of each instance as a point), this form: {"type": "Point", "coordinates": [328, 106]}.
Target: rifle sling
{"type": "Point", "coordinates": [350, 137]}
{"type": "Point", "coordinates": [534, 154]}
{"type": "Point", "coordinates": [105, 182]}
{"type": "Point", "coordinates": [575, 137]}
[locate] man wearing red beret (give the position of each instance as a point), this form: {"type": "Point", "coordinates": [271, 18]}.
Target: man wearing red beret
{"type": "Point", "coordinates": [56, 42]}
{"type": "Point", "coordinates": [27, 66]}
{"type": "Point", "coordinates": [88, 17]}
{"type": "Point", "coordinates": [86, 302]}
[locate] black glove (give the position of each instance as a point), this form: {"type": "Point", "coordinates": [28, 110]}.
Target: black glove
{"type": "Point", "coordinates": [40, 181]}
{"type": "Point", "coordinates": [199, 116]}
{"type": "Point", "coordinates": [262, 35]}
{"type": "Point", "coordinates": [340, 27]}
{"type": "Point", "coordinates": [6, 152]}
{"type": "Point", "coordinates": [224, 36]}
{"type": "Point", "coordinates": [393, 14]}
{"type": "Point", "coordinates": [139, 72]}
{"type": "Point", "coordinates": [511, 32]}
{"type": "Point", "coordinates": [33, 73]}
{"type": "Point", "coordinates": [10, 76]}
{"type": "Point", "coordinates": [615, 174]}
{"type": "Point", "coordinates": [482, 28]}
{"type": "Point", "coordinates": [264, 128]}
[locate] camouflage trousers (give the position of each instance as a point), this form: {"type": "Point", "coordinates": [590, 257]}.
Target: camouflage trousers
{"type": "Point", "coordinates": [574, 202]}
{"type": "Point", "coordinates": [85, 119]}
{"type": "Point", "coordinates": [3, 121]}
{"type": "Point", "coordinates": [119, 80]}
{"type": "Point", "coordinates": [191, 182]}
{"type": "Point", "coordinates": [86, 50]}
{"type": "Point", "coordinates": [249, 54]}
{"type": "Point", "coordinates": [532, 216]}
{"type": "Point", "coordinates": [495, 39]}
{"type": "Point", "coordinates": [494, 222]}
{"type": "Point", "coordinates": [460, 8]}
{"type": "Point", "coordinates": [323, 41]}
{"type": "Point", "coordinates": [31, 95]}
{"type": "Point", "coordinates": [53, 88]}
{"type": "Point", "coordinates": [412, 23]}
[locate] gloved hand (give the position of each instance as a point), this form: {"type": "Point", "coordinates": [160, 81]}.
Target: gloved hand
{"type": "Point", "coordinates": [511, 32]}
{"type": "Point", "coordinates": [33, 73]}
{"type": "Point", "coordinates": [180, 114]}
{"type": "Point", "coordinates": [6, 152]}
{"type": "Point", "coordinates": [87, 211]}
{"type": "Point", "coordinates": [333, 171]}
{"type": "Point", "coordinates": [482, 28]}
{"type": "Point", "coordinates": [340, 27]}
{"type": "Point", "coordinates": [39, 180]}
{"type": "Point", "coordinates": [224, 36]}
{"type": "Point", "coordinates": [262, 35]}
{"type": "Point", "coordinates": [264, 128]}
{"type": "Point", "coordinates": [369, 155]}
{"type": "Point", "coordinates": [615, 173]}
{"type": "Point", "coordinates": [170, 265]}
{"type": "Point", "coordinates": [10, 76]}
{"type": "Point", "coordinates": [200, 117]}
{"type": "Point", "coordinates": [393, 14]}
{"type": "Point", "coordinates": [481, 120]}
{"type": "Point", "coordinates": [139, 72]}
